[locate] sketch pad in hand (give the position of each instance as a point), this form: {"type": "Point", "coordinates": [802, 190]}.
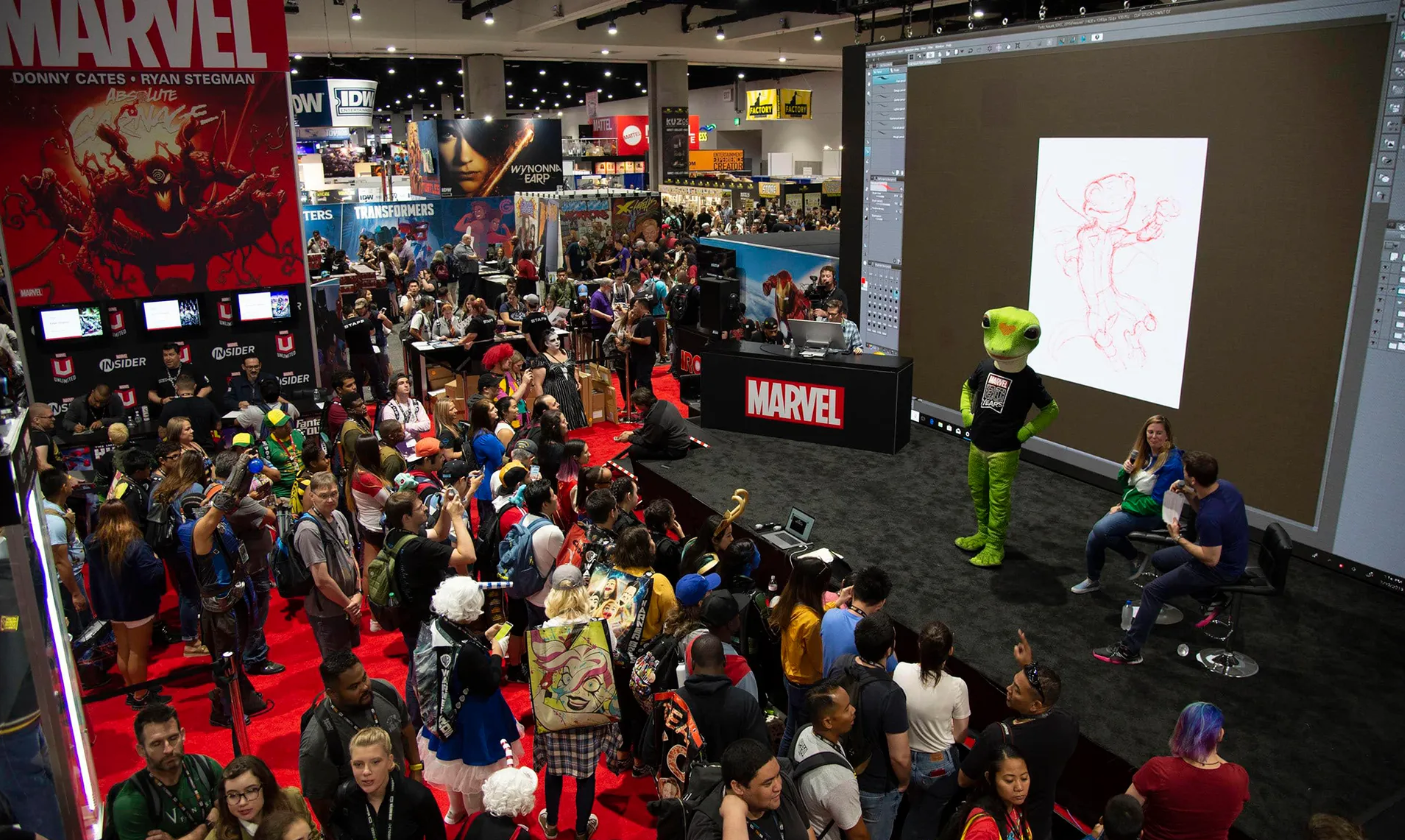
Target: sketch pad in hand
{"type": "Point", "coordinates": [1171, 506]}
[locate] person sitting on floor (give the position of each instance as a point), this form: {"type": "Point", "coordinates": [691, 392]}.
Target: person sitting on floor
{"type": "Point", "coordinates": [664, 435]}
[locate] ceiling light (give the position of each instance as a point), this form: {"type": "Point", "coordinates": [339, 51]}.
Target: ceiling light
{"type": "Point", "coordinates": [609, 96]}
{"type": "Point", "coordinates": [559, 113]}
{"type": "Point", "coordinates": [487, 118]}
{"type": "Point", "coordinates": [295, 71]}
{"type": "Point", "coordinates": [509, 83]}
{"type": "Point", "coordinates": [439, 82]}
{"type": "Point", "coordinates": [565, 83]}
{"type": "Point", "coordinates": [488, 18]}
{"type": "Point", "coordinates": [542, 71]}
{"type": "Point", "coordinates": [612, 28]}
{"type": "Point", "coordinates": [556, 104]}
{"type": "Point", "coordinates": [391, 71]}
{"type": "Point", "coordinates": [390, 48]}
{"type": "Point", "coordinates": [720, 34]}
{"type": "Point", "coordinates": [819, 36]}
{"type": "Point", "coordinates": [645, 90]}
{"type": "Point", "coordinates": [741, 75]}
{"type": "Point", "coordinates": [421, 90]}
{"type": "Point", "coordinates": [355, 12]}
{"type": "Point", "coordinates": [604, 52]}
{"type": "Point", "coordinates": [412, 58]}
{"type": "Point", "coordinates": [534, 90]}
{"type": "Point", "coordinates": [978, 13]}
{"type": "Point", "coordinates": [638, 84]}
{"type": "Point", "coordinates": [781, 59]}
{"type": "Point", "coordinates": [297, 56]}
{"type": "Point", "coordinates": [460, 71]}
{"type": "Point", "coordinates": [609, 73]}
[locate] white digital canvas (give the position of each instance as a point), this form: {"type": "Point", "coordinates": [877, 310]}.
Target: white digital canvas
{"type": "Point", "coordinates": [1116, 227]}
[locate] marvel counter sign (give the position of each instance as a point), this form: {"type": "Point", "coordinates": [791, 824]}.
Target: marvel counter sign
{"type": "Point", "coordinates": [143, 34]}
{"type": "Point", "coordinates": [795, 402]}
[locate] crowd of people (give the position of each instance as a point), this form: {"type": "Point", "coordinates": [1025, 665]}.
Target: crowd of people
{"type": "Point", "coordinates": [725, 220]}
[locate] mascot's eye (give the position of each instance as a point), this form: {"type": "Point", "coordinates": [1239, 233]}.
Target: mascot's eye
{"type": "Point", "coordinates": [985, 321]}
{"type": "Point", "coordinates": [1032, 333]}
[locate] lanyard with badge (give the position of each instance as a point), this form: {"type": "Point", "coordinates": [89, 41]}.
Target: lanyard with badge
{"type": "Point", "coordinates": [389, 818]}
{"type": "Point", "coordinates": [202, 810]}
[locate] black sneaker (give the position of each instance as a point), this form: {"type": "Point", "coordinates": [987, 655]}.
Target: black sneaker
{"type": "Point", "coordinates": [265, 668]}
{"type": "Point", "coordinates": [1118, 655]}
{"type": "Point", "coordinates": [152, 698]}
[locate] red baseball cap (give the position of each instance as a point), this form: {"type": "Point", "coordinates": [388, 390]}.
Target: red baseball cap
{"type": "Point", "coordinates": [426, 447]}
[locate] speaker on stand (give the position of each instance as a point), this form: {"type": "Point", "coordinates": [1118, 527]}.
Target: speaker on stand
{"type": "Point", "coordinates": [720, 304]}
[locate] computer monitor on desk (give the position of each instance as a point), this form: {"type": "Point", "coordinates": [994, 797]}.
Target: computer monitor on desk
{"type": "Point", "coordinates": [816, 338]}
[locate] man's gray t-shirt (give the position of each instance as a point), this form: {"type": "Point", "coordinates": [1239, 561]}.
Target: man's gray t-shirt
{"type": "Point", "coordinates": [247, 522]}
{"type": "Point", "coordinates": [318, 775]}
{"type": "Point", "coordinates": [312, 546]}
{"type": "Point", "coordinates": [830, 792]}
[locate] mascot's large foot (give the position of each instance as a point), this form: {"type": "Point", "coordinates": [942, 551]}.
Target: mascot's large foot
{"type": "Point", "coordinates": [975, 542]}
{"type": "Point", "coordinates": [989, 558]}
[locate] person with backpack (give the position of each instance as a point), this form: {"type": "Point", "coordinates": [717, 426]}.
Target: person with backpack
{"type": "Point", "coordinates": [722, 711]}
{"type": "Point", "coordinates": [425, 464]}
{"type": "Point", "coordinates": [828, 788]}
{"type": "Point", "coordinates": [722, 617]}
{"type": "Point", "coordinates": [322, 541]}
{"type": "Point", "coordinates": [997, 809]}
{"type": "Point", "coordinates": [879, 736]}
{"type": "Point", "coordinates": [174, 794]}
{"type": "Point", "coordinates": [126, 583]}
{"type": "Point", "coordinates": [870, 587]}
{"type": "Point", "coordinates": [538, 539]}
{"type": "Point", "coordinates": [181, 472]}
{"type": "Point", "coordinates": [350, 702]}
{"type": "Point", "coordinates": [458, 680]}
{"type": "Point", "coordinates": [754, 800]}
{"type": "Point", "coordinates": [251, 523]}
{"type": "Point", "coordinates": [572, 752]}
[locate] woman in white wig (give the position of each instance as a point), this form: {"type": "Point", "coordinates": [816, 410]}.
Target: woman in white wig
{"type": "Point", "coordinates": [508, 796]}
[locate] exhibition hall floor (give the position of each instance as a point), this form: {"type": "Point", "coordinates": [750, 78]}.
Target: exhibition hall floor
{"type": "Point", "coordinates": [1317, 728]}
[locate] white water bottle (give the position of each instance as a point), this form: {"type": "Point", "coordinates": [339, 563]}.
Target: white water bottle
{"type": "Point", "coordinates": [1127, 610]}
{"type": "Point", "coordinates": [773, 589]}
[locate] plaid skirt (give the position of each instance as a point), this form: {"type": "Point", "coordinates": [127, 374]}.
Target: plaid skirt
{"type": "Point", "coordinates": [576, 752]}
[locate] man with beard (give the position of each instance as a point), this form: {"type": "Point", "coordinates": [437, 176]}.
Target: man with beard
{"type": "Point", "coordinates": [353, 702]}
{"type": "Point", "coordinates": [174, 795]}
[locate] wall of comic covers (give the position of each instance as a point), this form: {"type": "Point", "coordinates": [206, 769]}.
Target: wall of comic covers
{"type": "Point", "coordinates": [427, 223]}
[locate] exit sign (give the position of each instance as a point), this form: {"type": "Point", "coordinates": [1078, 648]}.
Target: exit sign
{"type": "Point", "coordinates": [736, 120]}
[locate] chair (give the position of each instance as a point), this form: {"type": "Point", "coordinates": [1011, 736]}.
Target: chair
{"type": "Point", "coordinates": [1269, 578]}
{"type": "Point", "coordinates": [1159, 538]}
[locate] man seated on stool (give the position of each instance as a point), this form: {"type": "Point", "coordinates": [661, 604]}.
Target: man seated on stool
{"type": "Point", "coordinates": [834, 313]}
{"type": "Point", "coordinates": [664, 435]}
{"type": "Point", "coordinates": [1218, 558]}
{"type": "Point", "coordinates": [100, 408]}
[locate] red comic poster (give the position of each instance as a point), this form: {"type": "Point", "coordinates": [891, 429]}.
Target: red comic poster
{"type": "Point", "coordinates": [149, 151]}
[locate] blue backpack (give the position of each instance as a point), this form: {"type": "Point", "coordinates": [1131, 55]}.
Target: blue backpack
{"type": "Point", "coordinates": [516, 563]}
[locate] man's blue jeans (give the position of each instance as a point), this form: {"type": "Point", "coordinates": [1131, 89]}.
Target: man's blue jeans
{"type": "Point", "coordinates": [1111, 532]}
{"type": "Point", "coordinates": [28, 783]}
{"type": "Point", "coordinates": [880, 811]}
{"type": "Point", "coordinates": [256, 646]}
{"type": "Point", "coordinates": [1181, 574]}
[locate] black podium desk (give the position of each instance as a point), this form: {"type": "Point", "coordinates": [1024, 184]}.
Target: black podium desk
{"type": "Point", "coordinates": [859, 402]}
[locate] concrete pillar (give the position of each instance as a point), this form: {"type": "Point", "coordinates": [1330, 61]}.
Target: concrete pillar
{"type": "Point", "coordinates": [416, 112]}
{"type": "Point", "coordinates": [668, 88]}
{"type": "Point", "coordinates": [484, 93]}
{"type": "Point", "coordinates": [397, 126]}
{"type": "Point", "coordinates": [446, 106]}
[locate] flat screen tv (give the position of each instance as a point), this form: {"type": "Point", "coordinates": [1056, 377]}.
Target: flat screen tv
{"type": "Point", "coordinates": [67, 323]}
{"type": "Point", "coordinates": [265, 306]}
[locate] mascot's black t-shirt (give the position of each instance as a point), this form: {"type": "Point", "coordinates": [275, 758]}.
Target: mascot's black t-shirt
{"type": "Point", "coordinates": [1000, 402]}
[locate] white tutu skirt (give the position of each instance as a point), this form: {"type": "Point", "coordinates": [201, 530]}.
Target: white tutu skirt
{"type": "Point", "coordinates": [466, 779]}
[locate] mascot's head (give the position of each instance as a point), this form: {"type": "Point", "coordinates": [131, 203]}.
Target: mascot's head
{"type": "Point", "coordinates": [1011, 334]}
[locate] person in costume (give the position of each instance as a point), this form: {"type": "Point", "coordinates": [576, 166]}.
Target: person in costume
{"type": "Point", "coordinates": [994, 404]}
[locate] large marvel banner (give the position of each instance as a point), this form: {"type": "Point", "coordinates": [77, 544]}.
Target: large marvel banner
{"type": "Point", "coordinates": [148, 149]}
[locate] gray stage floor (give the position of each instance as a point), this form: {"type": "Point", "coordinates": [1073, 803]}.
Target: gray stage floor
{"type": "Point", "coordinates": [1318, 727]}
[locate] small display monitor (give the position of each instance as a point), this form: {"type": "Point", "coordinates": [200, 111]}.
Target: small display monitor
{"type": "Point", "coordinates": [172, 314]}
{"type": "Point", "coordinates": [265, 306]}
{"type": "Point", "coordinates": [71, 322]}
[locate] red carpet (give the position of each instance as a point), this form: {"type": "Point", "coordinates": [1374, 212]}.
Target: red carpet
{"type": "Point", "coordinates": [620, 801]}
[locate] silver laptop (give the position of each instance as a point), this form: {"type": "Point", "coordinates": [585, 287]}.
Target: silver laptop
{"type": "Point", "coordinates": [795, 534]}
{"type": "Point", "coordinates": [815, 339]}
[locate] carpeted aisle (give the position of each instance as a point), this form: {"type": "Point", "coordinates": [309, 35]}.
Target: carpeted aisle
{"type": "Point", "coordinates": [620, 801]}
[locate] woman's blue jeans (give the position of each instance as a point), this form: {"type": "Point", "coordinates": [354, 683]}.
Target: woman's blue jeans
{"type": "Point", "coordinates": [1111, 532]}
{"type": "Point", "coordinates": [794, 714]}
{"type": "Point", "coordinates": [932, 787]}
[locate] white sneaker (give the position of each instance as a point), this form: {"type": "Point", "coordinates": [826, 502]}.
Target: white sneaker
{"type": "Point", "coordinates": [1088, 585]}
{"type": "Point", "coordinates": [375, 626]}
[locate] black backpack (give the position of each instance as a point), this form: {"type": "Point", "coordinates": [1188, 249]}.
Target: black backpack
{"type": "Point", "coordinates": [290, 574]}
{"type": "Point", "coordinates": [825, 758]}
{"type": "Point", "coordinates": [486, 546]}
{"type": "Point", "coordinates": [206, 775]}
{"type": "Point", "coordinates": [855, 678]}
{"type": "Point", "coordinates": [336, 753]}
{"type": "Point", "coordinates": [161, 524]}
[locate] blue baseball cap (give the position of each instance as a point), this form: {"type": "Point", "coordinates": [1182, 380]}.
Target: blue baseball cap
{"type": "Point", "coordinates": [691, 589]}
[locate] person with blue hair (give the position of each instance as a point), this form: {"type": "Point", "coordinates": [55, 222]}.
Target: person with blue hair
{"type": "Point", "coordinates": [1193, 792]}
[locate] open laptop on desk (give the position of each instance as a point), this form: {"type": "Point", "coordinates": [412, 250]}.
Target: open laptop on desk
{"type": "Point", "coordinates": [816, 339]}
{"type": "Point", "coordinates": [795, 534]}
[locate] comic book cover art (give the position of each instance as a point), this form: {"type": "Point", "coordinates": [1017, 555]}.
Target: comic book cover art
{"type": "Point", "coordinates": [572, 681]}
{"type": "Point", "coordinates": [637, 218]}
{"type": "Point", "coordinates": [139, 184]}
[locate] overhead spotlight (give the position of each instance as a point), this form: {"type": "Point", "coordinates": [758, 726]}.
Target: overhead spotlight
{"type": "Point", "coordinates": [645, 90]}
{"type": "Point", "coordinates": [978, 14]}
{"type": "Point", "coordinates": [295, 71]}
{"type": "Point", "coordinates": [781, 59]}
{"type": "Point", "coordinates": [355, 12]}
{"type": "Point", "coordinates": [488, 18]}
{"type": "Point", "coordinates": [390, 48]}
{"type": "Point", "coordinates": [439, 82]}
{"type": "Point", "coordinates": [604, 52]}
{"type": "Point", "coordinates": [509, 83]}
{"type": "Point", "coordinates": [1004, 21]}
{"type": "Point", "coordinates": [612, 28]}
{"type": "Point", "coordinates": [638, 84]}
{"type": "Point", "coordinates": [421, 90]}
{"type": "Point", "coordinates": [534, 90]}
{"type": "Point", "coordinates": [609, 96]}
{"type": "Point", "coordinates": [487, 118]}
{"type": "Point", "coordinates": [819, 36]}
{"type": "Point", "coordinates": [560, 113]}
{"type": "Point", "coordinates": [720, 34]}
{"type": "Point", "coordinates": [391, 71]}
{"type": "Point", "coordinates": [541, 72]}
{"type": "Point", "coordinates": [460, 71]}
{"type": "Point", "coordinates": [741, 75]}
{"type": "Point", "coordinates": [609, 73]}
{"type": "Point", "coordinates": [297, 56]}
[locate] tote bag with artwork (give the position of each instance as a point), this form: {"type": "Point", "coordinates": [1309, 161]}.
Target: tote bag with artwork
{"type": "Point", "coordinates": [571, 676]}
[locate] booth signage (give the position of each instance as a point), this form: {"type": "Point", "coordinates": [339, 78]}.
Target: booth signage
{"type": "Point", "coordinates": [716, 160]}
{"type": "Point", "coordinates": [592, 104]}
{"type": "Point", "coordinates": [761, 104]}
{"type": "Point", "coordinates": [341, 103]}
{"type": "Point", "coordinates": [520, 156]}
{"type": "Point", "coordinates": [768, 189]}
{"type": "Point", "coordinates": [795, 402]}
{"type": "Point", "coordinates": [795, 104]}
{"type": "Point", "coordinates": [631, 133]}
{"type": "Point", "coordinates": [676, 131]}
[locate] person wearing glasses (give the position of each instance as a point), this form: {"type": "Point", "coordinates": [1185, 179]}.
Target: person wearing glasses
{"type": "Point", "coordinates": [323, 542]}
{"type": "Point", "coordinates": [174, 794]}
{"type": "Point", "coordinates": [249, 795]}
{"type": "Point", "coordinates": [1043, 734]}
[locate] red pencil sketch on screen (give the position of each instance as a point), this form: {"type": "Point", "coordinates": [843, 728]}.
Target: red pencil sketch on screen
{"type": "Point", "coordinates": [1113, 319]}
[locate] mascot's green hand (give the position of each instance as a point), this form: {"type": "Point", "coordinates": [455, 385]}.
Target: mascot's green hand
{"type": "Point", "coordinates": [966, 416]}
{"type": "Point", "coordinates": [1025, 433]}
{"type": "Point", "coordinates": [1047, 415]}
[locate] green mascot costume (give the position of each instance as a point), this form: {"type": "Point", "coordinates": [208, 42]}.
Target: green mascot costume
{"type": "Point", "coordinates": [994, 404]}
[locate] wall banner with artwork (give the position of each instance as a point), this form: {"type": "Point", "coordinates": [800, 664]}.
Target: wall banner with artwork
{"type": "Point", "coordinates": [675, 140]}
{"type": "Point", "coordinates": [421, 158]}
{"type": "Point", "coordinates": [636, 217]}
{"type": "Point", "coordinates": [343, 103]}
{"type": "Point", "coordinates": [482, 158]}
{"type": "Point", "coordinates": [428, 225]}
{"type": "Point", "coordinates": [149, 160]}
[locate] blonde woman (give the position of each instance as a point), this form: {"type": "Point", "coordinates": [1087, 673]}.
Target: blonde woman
{"type": "Point", "coordinates": [1149, 471]}
{"type": "Point", "coordinates": [448, 421]}
{"type": "Point", "coordinates": [573, 752]}
{"type": "Point", "coordinates": [383, 804]}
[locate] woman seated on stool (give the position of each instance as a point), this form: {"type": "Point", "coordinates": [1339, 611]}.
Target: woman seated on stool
{"type": "Point", "coordinates": [1151, 469]}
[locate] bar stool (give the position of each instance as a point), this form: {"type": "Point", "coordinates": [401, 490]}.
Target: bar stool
{"type": "Point", "coordinates": [1157, 539]}
{"type": "Point", "coordinates": [1269, 578]}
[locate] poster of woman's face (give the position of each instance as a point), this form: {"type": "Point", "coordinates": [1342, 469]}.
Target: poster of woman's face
{"type": "Point", "coordinates": [480, 158]}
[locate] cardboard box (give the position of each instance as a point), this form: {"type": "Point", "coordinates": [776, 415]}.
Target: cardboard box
{"type": "Point", "coordinates": [454, 391]}
{"type": "Point", "coordinates": [583, 384]}
{"type": "Point", "coordinates": [439, 376]}
{"type": "Point", "coordinates": [602, 387]}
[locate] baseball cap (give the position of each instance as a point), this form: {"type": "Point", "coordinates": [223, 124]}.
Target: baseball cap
{"type": "Point", "coordinates": [455, 470]}
{"type": "Point", "coordinates": [426, 448]}
{"type": "Point", "coordinates": [276, 417]}
{"type": "Point", "coordinates": [243, 439]}
{"type": "Point", "coordinates": [526, 445]}
{"type": "Point", "coordinates": [719, 607]}
{"type": "Point", "coordinates": [531, 300]}
{"type": "Point", "coordinates": [582, 290]}
{"type": "Point", "coordinates": [566, 577]}
{"type": "Point", "coordinates": [691, 589]}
